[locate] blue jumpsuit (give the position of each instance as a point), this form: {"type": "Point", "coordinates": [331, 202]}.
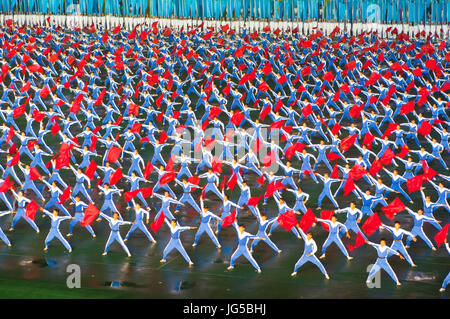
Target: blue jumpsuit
{"type": "Point", "coordinates": [139, 220]}
{"type": "Point", "coordinates": [310, 249]}
{"type": "Point", "coordinates": [382, 263]}
{"type": "Point", "coordinates": [334, 236]}
{"type": "Point", "coordinates": [242, 249]}
{"type": "Point", "coordinates": [115, 234]}
{"type": "Point", "coordinates": [54, 230]}
{"type": "Point", "coordinates": [175, 242]}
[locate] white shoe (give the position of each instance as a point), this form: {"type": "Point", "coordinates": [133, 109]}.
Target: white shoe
{"type": "Point", "coordinates": [279, 251]}
{"type": "Point", "coordinates": [294, 274]}
{"type": "Point", "coordinates": [68, 235]}
{"type": "Point", "coordinates": [349, 258]}
{"type": "Point", "coordinates": [70, 251]}
{"type": "Point", "coordinates": [259, 271]}
{"type": "Point", "coordinates": [413, 265]}
{"type": "Point", "coordinates": [327, 277]}
{"type": "Point", "coordinates": [191, 264]}
{"type": "Point", "coordinates": [442, 290]}
{"type": "Point", "coordinates": [104, 254]}
{"type": "Point", "coordinates": [230, 268]}
{"type": "Point", "coordinates": [162, 261]}
{"type": "Point", "coordinates": [322, 257]}
{"type": "Point", "coordinates": [194, 244]}
{"type": "Point", "coordinates": [399, 284]}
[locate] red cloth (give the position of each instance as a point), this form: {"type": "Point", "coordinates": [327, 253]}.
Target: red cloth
{"type": "Point", "coordinates": [146, 191]}
{"type": "Point", "coordinates": [253, 201]}
{"type": "Point", "coordinates": [113, 154]}
{"type": "Point", "coordinates": [348, 142]}
{"type": "Point", "coordinates": [368, 140]}
{"type": "Point", "coordinates": [31, 144]}
{"type": "Point", "coordinates": [441, 235]}
{"type": "Point", "coordinates": [18, 111]}
{"type": "Point", "coordinates": [55, 128]}
{"type": "Point", "coordinates": [335, 172]}
{"type": "Point", "coordinates": [269, 159]}
{"type": "Point", "coordinates": [6, 185]}
{"type": "Point", "coordinates": [216, 165]}
{"type": "Point", "coordinates": [403, 152]}
{"type": "Point", "coordinates": [349, 186]}
{"type": "Point", "coordinates": [371, 224]}
{"type": "Point", "coordinates": [387, 157]}
{"type": "Point", "coordinates": [264, 112]}
{"type": "Point", "coordinates": [291, 150]}
{"type": "Point", "coordinates": [336, 129]}
{"type": "Point", "coordinates": [90, 214]}
{"type": "Point", "coordinates": [163, 137]}
{"type": "Point", "coordinates": [307, 220]}
{"type": "Point", "coordinates": [14, 160]}
{"type": "Point", "coordinates": [115, 177]}
{"type": "Point", "coordinates": [148, 170]}
{"type": "Point", "coordinates": [63, 160]}
{"type": "Point", "coordinates": [414, 183]}
{"type": "Point", "coordinates": [194, 180]}
{"type": "Point", "coordinates": [393, 208]}
{"type": "Point", "coordinates": [167, 177]}
{"type": "Point", "coordinates": [326, 214]}
{"type": "Point", "coordinates": [230, 219]}
{"type": "Point", "coordinates": [358, 243]}
{"type": "Point", "coordinates": [287, 220]}
{"type": "Point", "coordinates": [257, 145]}
{"type": "Point", "coordinates": [10, 134]}
{"type": "Point", "coordinates": [425, 128]}
{"type": "Point", "coordinates": [65, 195]}
{"type": "Point", "coordinates": [32, 208]}
{"type": "Point", "coordinates": [34, 173]}
{"type": "Point", "coordinates": [170, 162]}
{"type": "Point", "coordinates": [232, 182]}
{"type": "Point", "coordinates": [407, 108]}
{"type": "Point", "coordinates": [357, 171]}
{"type": "Point", "coordinates": [376, 166]}
{"type": "Point", "coordinates": [237, 118]}
{"type": "Point", "coordinates": [90, 170]}
{"type": "Point", "coordinates": [130, 195]}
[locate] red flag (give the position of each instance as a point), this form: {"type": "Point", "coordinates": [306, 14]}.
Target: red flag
{"type": "Point", "coordinates": [357, 171]}
{"type": "Point", "coordinates": [158, 223]}
{"type": "Point", "coordinates": [10, 134]}
{"type": "Point", "coordinates": [425, 128]}
{"type": "Point", "coordinates": [393, 208]}
{"type": "Point", "coordinates": [287, 220]}
{"type": "Point", "coordinates": [230, 219]}
{"type": "Point", "coordinates": [163, 137]}
{"type": "Point", "coordinates": [167, 177]}
{"type": "Point", "coordinates": [376, 166]}
{"type": "Point", "coordinates": [65, 195]}
{"type": "Point", "coordinates": [34, 173]}
{"type": "Point", "coordinates": [335, 172]}
{"type": "Point", "coordinates": [147, 191]}
{"type": "Point", "coordinates": [368, 140]}
{"type": "Point", "coordinates": [90, 170]}
{"type": "Point", "coordinates": [113, 154]}
{"type": "Point", "coordinates": [6, 185]}
{"type": "Point", "coordinates": [349, 186]}
{"type": "Point", "coordinates": [441, 235]}
{"type": "Point", "coordinates": [232, 182]}
{"type": "Point", "coordinates": [307, 220]}
{"type": "Point", "coordinates": [347, 142]}
{"type": "Point", "coordinates": [216, 165]}
{"type": "Point", "coordinates": [264, 112]}
{"type": "Point", "coordinates": [148, 170]}
{"type": "Point", "coordinates": [14, 160]}
{"type": "Point", "coordinates": [326, 214]}
{"type": "Point", "coordinates": [407, 108]}
{"type": "Point", "coordinates": [333, 156]}
{"type": "Point", "coordinates": [336, 128]}
{"type": "Point", "coordinates": [31, 210]}
{"type": "Point", "coordinates": [130, 195]}
{"type": "Point", "coordinates": [371, 224]}
{"type": "Point", "coordinates": [414, 183]}
{"type": "Point", "coordinates": [387, 157]}
{"type": "Point", "coordinates": [18, 111]}
{"type": "Point", "coordinates": [90, 214]}
{"type": "Point", "coordinates": [358, 243]}
{"type": "Point", "coordinates": [55, 128]}
{"type": "Point", "coordinates": [115, 177]}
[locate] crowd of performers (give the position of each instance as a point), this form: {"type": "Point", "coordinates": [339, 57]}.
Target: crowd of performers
{"type": "Point", "coordinates": [268, 114]}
